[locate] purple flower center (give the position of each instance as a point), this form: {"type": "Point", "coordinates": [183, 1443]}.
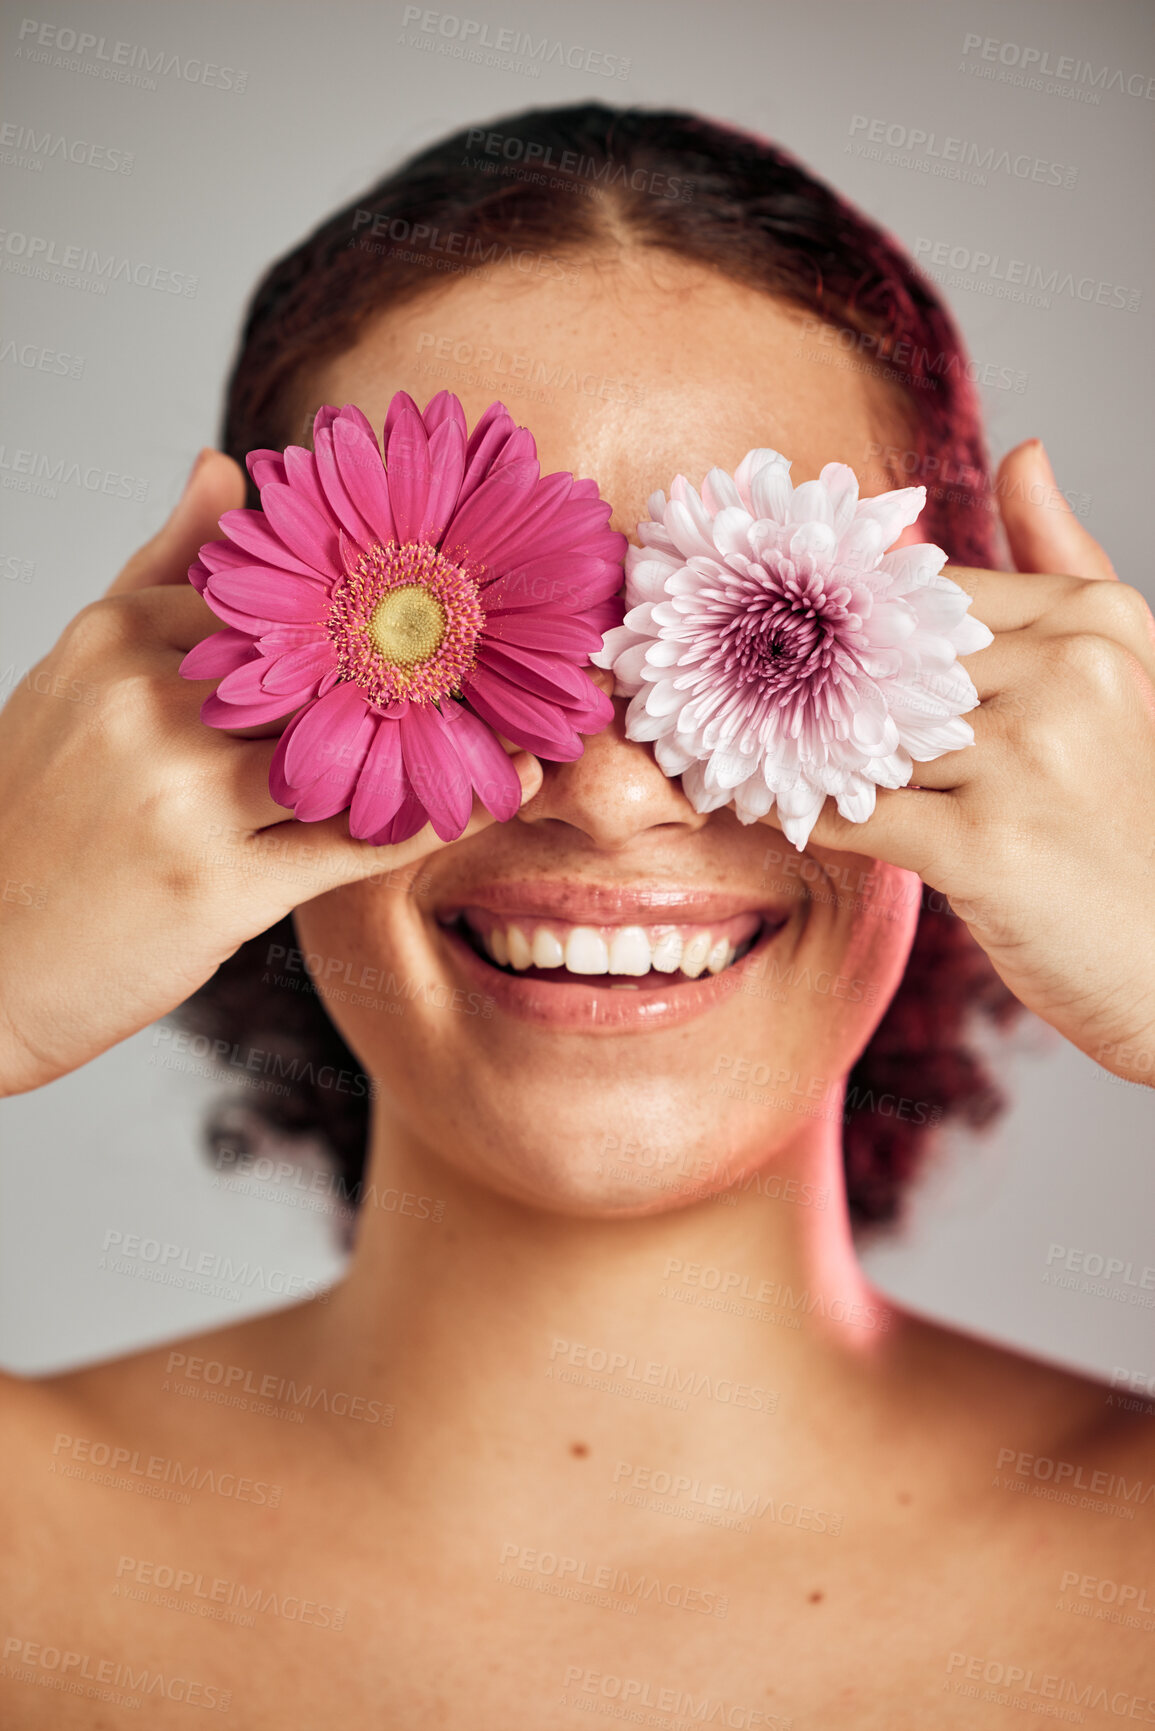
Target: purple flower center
{"type": "Point", "coordinates": [781, 641]}
{"type": "Point", "coordinates": [405, 622]}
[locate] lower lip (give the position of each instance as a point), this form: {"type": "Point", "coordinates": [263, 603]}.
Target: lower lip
{"type": "Point", "coordinates": [596, 1009]}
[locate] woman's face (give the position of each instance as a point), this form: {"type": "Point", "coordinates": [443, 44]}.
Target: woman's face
{"type": "Point", "coordinates": [615, 1093]}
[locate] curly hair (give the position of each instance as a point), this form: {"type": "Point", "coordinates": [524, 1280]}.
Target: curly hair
{"type": "Point", "coordinates": [554, 184]}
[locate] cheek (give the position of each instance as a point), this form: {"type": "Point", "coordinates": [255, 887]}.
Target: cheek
{"type": "Point", "coordinates": [605, 1126]}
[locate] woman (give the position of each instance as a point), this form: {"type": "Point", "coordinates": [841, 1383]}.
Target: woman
{"type": "Point", "coordinates": [734, 1484]}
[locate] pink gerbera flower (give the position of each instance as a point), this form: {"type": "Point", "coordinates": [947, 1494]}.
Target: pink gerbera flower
{"type": "Point", "coordinates": [774, 651]}
{"type": "Point", "coordinates": [409, 610]}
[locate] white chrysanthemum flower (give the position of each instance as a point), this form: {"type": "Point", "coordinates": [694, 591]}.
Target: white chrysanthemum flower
{"type": "Point", "coordinates": [775, 652]}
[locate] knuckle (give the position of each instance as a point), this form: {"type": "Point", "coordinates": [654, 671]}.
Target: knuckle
{"type": "Point", "coordinates": [1118, 610]}
{"type": "Point", "coordinates": [135, 706]}
{"type": "Point", "coordinates": [104, 628]}
{"type": "Point", "coordinates": [1102, 666]}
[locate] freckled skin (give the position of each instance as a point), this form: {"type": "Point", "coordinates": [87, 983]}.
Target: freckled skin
{"type": "Point", "coordinates": [544, 1248]}
{"type": "Point", "coordinates": [709, 370]}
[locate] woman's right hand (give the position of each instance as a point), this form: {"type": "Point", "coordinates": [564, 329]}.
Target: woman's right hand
{"type": "Point", "coordinates": [138, 847]}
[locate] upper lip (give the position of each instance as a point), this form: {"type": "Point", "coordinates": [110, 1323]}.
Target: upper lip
{"type": "Point", "coordinates": [607, 904]}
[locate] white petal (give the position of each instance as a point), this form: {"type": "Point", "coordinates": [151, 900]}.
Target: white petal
{"type": "Point", "coordinates": [970, 634]}
{"type": "Point", "coordinates": [857, 803]}
{"type": "Point", "coordinates": [720, 491]}
{"type": "Point", "coordinates": [841, 484]}
{"type": "Point", "coordinates": [862, 545]}
{"type": "Point", "coordinates": [732, 530]}
{"type": "Point", "coordinates": [672, 759]}
{"type": "Point", "coordinates": [811, 504]}
{"type": "Point", "coordinates": [770, 489]}
{"type": "Point", "coordinates": [615, 642]}
{"type": "Point", "coordinates": [629, 667]}
{"type": "Point", "coordinates": [761, 461]}
{"type": "Point", "coordinates": [752, 800]}
{"type": "Point", "coordinates": [910, 567]}
{"type": "Point", "coordinates": [814, 541]}
{"type": "Point", "coordinates": [699, 795]}
{"type": "Point", "coordinates": [686, 534]}
{"type": "Point", "coordinates": [893, 512]}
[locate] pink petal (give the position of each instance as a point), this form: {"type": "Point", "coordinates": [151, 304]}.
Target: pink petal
{"type": "Point", "coordinates": [301, 475]}
{"type": "Point", "coordinates": [279, 787]}
{"type": "Point", "coordinates": [304, 666]}
{"type": "Point", "coordinates": [535, 629]}
{"type": "Point", "coordinates": [265, 466]}
{"type": "Point", "coordinates": [198, 576]}
{"type": "Point", "coordinates": [269, 594]}
{"type": "Point", "coordinates": [333, 789]}
{"type": "Point", "coordinates": [400, 403]}
{"type": "Point", "coordinates": [223, 556]}
{"type": "Point", "coordinates": [546, 674]}
{"type": "Point", "coordinates": [217, 655]}
{"type": "Point", "coordinates": [243, 685]}
{"type": "Point", "coordinates": [442, 408]}
{"type": "Point", "coordinates": [489, 765]}
{"type": "Point", "coordinates": [279, 638]}
{"type": "Point", "coordinates": [214, 713]}
{"type": "Point", "coordinates": [381, 785]}
{"type": "Point", "coordinates": [447, 465]}
{"type": "Point", "coordinates": [363, 473]}
{"type": "Point", "coordinates": [305, 529]}
{"type": "Point", "coordinates": [351, 416]}
{"type": "Point", "coordinates": [407, 471]}
{"type": "Point", "coordinates": [565, 580]}
{"type": "Point", "coordinates": [435, 772]}
{"type": "Point", "coordinates": [254, 532]}
{"type": "Point", "coordinates": [486, 444]}
{"type": "Point", "coordinates": [409, 820]}
{"type": "Point", "coordinates": [325, 731]}
{"type": "Point", "coordinates": [519, 715]}
{"type": "Point", "coordinates": [483, 523]}
{"type": "Point", "coordinates": [337, 497]}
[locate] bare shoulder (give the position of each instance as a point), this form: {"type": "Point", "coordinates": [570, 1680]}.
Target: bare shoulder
{"type": "Point", "coordinates": [1042, 1437]}
{"type": "Point", "coordinates": [144, 1398]}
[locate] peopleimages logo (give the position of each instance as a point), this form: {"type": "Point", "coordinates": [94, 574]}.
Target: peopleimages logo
{"type": "Point", "coordinates": [70, 50]}
{"type": "Point", "coordinates": [1037, 64]}
{"type": "Point", "coordinates": [1017, 278]}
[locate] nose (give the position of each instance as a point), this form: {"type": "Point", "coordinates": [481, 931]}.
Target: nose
{"type": "Point", "coordinates": [615, 792]}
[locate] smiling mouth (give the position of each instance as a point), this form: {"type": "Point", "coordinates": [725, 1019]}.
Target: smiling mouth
{"type": "Point", "coordinates": [637, 958]}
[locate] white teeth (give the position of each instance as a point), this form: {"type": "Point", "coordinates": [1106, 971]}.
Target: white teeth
{"type": "Point", "coordinates": [719, 956]}
{"type": "Point", "coordinates": [520, 954]}
{"type": "Point", "coordinates": [547, 951]}
{"type": "Point", "coordinates": [586, 953]}
{"type": "Point", "coordinates": [630, 951]}
{"type": "Point", "coordinates": [695, 953]}
{"type": "Point", "coordinates": [668, 952]}
{"type": "Point", "coordinates": [624, 950]}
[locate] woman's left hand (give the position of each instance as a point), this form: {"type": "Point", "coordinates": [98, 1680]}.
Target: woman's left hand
{"type": "Point", "coordinates": [1042, 834]}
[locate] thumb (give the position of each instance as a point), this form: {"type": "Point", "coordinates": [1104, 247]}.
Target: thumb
{"type": "Point", "coordinates": [1042, 531]}
{"type": "Point", "coordinates": [216, 484]}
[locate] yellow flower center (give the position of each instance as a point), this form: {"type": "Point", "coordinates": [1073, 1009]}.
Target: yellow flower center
{"type": "Point", "coordinates": [407, 626]}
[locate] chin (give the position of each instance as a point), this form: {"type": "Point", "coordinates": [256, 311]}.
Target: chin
{"type": "Point", "coordinates": [597, 1036]}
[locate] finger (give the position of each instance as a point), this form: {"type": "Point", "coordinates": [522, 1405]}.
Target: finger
{"type": "Point", "coordinates": [216, 485]}
{"type": "Point", "coordinates": [324, 855]}
{"type": "Point", "coordinates": [1011, 600]}
{"type": "Point", "coordinates": [1042, 531]}
{"type": "Point", "coordinates": [171, 615]}
{"type": "Point", "coordinates": [919, 831]}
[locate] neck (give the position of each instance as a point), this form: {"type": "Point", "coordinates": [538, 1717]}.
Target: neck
{"type": "Point", "coordinates": [479, 1315]}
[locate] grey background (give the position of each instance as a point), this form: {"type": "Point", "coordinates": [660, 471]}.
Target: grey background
{"type": "Point", "coordinates": [223, 179]}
